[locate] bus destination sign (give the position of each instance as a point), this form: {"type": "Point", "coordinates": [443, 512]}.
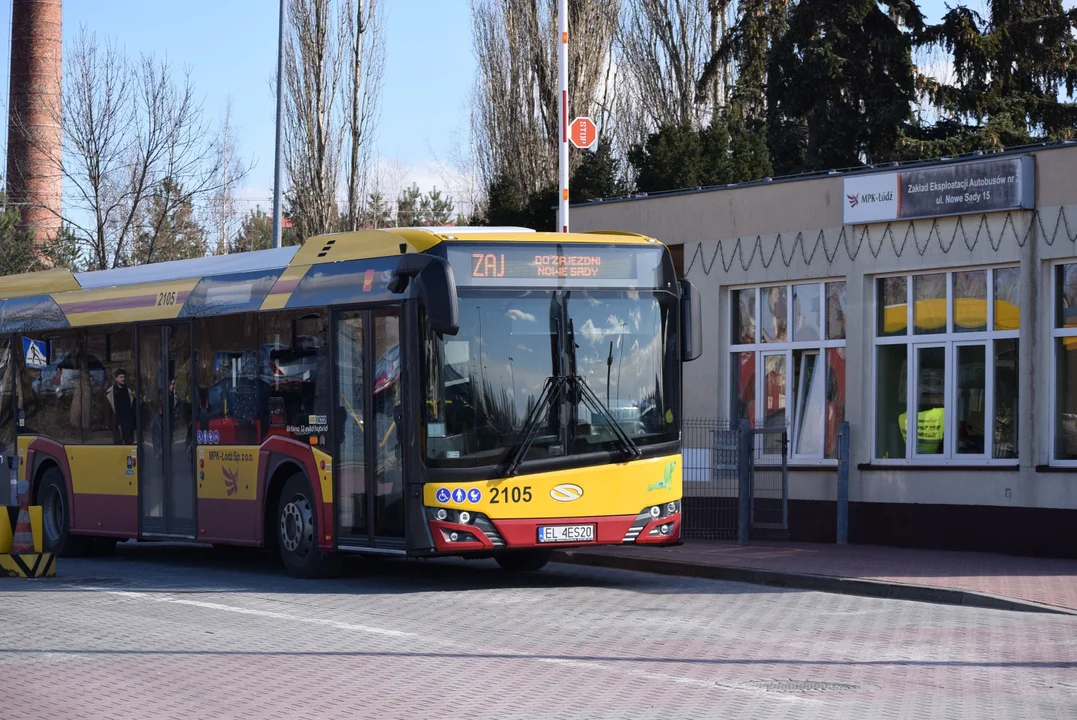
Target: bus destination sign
{"type": "Point", "coordinates": [497, 265]}
{"type": "Point", "coordinates": [556, 265]}
{"type": "Point", "coordinates": [523, 264]}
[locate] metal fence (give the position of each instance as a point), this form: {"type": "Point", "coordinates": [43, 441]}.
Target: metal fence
{"type": "Point", "coordinates": [770, 478]}
{"type": "Point", "coordinates": [714, 464]}
{"type": "Point", "coordinates": [711, 466]}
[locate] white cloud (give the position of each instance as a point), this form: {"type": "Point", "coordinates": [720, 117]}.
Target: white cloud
{"type": "Point", "coordinates": [517, 314]}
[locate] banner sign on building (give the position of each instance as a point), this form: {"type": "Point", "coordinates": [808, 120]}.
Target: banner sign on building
{"type": "Point", "coordinates": [958, 189]}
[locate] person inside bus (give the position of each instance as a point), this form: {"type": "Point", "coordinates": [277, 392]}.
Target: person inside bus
{"type": "Point", "coordinates": [122, 405]}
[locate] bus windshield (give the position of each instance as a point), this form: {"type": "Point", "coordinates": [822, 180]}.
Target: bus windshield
{"type": "Point", "coordinates": [482, 384]}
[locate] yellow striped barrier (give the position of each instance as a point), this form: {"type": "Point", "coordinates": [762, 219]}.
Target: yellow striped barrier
{"type": "Point", "coordinates": [27, 565]}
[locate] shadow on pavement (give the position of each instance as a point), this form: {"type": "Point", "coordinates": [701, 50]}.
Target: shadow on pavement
{"type": "Point", "coordinates": [177, 568]}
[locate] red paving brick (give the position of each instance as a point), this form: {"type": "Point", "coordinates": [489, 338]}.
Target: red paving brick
{"type": "Point", "coordinates": [1040, 580]}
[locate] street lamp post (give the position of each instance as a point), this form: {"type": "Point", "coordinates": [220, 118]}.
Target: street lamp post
{"type": "Point", "coordinates": [280, 134]}
{"type": "Point", "coordinates": [562, 79]}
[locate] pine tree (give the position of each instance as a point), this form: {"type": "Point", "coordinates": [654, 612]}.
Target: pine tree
{"type": "Point", "coordinates": [377, 214]}
{"type": "Point", "coordinates": [435, 209]}
{"type": "Point", "coordinates": [748, 47]}
{"type": "Point", "coordinates": [169, 230]}
{"type": "Point", "coordinates": [256, 233]}
{"type": "Point", "coordinates": [678, 157]}
{"type": "Point", "coordinates": [18, 251]}
{"type": "Point", "coordinates": [1009, 69]}
{"type": "Point", "coordinates": [597, 175]}
{"type": "Point", "coordinates": [841, 84]}
{"type": "Point", "coordinates": [407, 207]}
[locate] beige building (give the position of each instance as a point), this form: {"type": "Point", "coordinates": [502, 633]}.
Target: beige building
{"type": "Point", "coordinates": [941, 295]}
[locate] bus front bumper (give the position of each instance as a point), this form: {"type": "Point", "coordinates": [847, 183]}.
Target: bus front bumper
{"type": "Point", "coordinates": [481, 533]}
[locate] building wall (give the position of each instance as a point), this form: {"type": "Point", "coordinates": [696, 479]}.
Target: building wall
{"type": "Point", "coordinates": [793, 231]}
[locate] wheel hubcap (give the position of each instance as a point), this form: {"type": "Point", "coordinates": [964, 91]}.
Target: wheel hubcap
{"type": "Point", "coordinates": [53, 514]}
{"type": "Point", "coordinates": [297, 527]}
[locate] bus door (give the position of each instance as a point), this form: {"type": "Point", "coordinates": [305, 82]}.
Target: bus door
{"type": "Point", "coordinates": [367, 459]}
{"type": "Point", "coordinates": [166, 486]}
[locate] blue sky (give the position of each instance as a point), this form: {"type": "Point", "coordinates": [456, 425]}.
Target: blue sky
{"type": "Point", "coordinates": [230, 47]}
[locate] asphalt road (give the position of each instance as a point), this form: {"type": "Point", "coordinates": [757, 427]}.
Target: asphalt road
{"type": "Point", "coordinates": [166, 632]}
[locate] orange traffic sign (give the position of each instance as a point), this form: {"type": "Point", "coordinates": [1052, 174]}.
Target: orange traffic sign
{"type": "Point", "coordinates": [583, 133]}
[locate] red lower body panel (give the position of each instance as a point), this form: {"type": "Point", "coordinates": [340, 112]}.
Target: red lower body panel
{"type": "Point", "coordinates": [105, 515]}
{"type": "Point", "coordinates": [233, 521]}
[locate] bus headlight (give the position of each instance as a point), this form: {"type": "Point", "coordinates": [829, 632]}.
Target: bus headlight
{"type": "Point", "coordinates": [465, 517]}
{"type": "Point", "coordinates": [442, 514]}
{"type": "Point", "coordinates": [671, 508]}
{"type": "Point", "coordinates": [656, 511]}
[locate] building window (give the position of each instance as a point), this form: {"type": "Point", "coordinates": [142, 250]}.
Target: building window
{"type": "Point", "coordinates": [788, 369]}
{"type": "Point", "coordinates": [1064, 396]}
{"type": "Point", "coordinates": [946, 346]}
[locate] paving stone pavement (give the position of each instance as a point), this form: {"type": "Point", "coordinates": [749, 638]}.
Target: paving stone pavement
{"type": "Point", "coordinates": [1046, 581]}
{"type": "Point", "coordinates": [179, 632]}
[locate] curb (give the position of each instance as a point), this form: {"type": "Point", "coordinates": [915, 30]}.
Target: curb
{"type": "Point", "coordinates": [804, 581]}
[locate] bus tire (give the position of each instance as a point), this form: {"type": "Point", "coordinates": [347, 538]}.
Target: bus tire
{"type": "Point", "coordinates": [56, 517]}
{"type": "Point", "coordinates": [297, 532]}
{"type": "Point", "coordinates": [528, 560]}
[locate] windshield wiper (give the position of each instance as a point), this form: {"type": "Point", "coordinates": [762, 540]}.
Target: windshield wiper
{"type": "Point", "coordinates": [596, 404]}
{"type": "Point", "coordinates": [551, 390]}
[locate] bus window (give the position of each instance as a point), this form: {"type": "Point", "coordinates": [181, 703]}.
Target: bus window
{"type": "Point", "coordinates": [482, 384]}
{"type": "Point", "coordinates": [50, 407]}
{"type": "Point", "coordinates": [293, 374]}
{"type": "Point", "coordinates": [7, 419]}
{"type": "Point", "coordinates": [626, 352]}
{"type": "Point", "coordinates": [112, 419]}
{"type": "Point", "coordinates": [230, 391]}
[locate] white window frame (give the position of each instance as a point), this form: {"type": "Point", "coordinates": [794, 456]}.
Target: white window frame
{"type": "Point", "coordinates": [788, 348]}
{"type": "Point", "coordinates": [1057, 333]}
{"type": "Point", "coordinates": [950, 339]}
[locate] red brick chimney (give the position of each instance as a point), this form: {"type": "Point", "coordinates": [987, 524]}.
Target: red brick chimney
{"type": "Point", "coordinates": [35, 138]}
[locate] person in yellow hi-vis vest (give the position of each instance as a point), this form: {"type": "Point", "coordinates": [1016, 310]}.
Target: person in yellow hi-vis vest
{"type": "Point", "coordinates": [929, 430]}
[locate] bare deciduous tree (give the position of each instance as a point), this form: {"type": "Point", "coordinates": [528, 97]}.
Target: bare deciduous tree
{"type": "Point", "coordinates": [333, 68]}
{"type": "Point", "coordinates": [222, 211]}
{"type": "Point", "coordinates": [515, 122]}
{"type": "Point", "coordinates": [366, 49]}
{"type": "Point", "coordinates": [313, 69]}
{"type": "Point", "coordinates": [662, 46]}
{"type": "Point", "coordinates": [132, 133]}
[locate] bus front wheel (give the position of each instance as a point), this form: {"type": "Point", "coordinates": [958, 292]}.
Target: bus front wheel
{"type": "Point", "coordinates": [297, 532]}
{"type": "Point", "coordinates": [528, 560]}
{"type": "Point", "coordinates": [56, 517]}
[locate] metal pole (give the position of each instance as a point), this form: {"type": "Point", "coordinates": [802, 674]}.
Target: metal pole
{"type": "Point", "coordinates": [843, 483]}
{"type": "Point", "coordinates": [562, 80]}
{"type": "Point", "coordinates": [280, 134]}
{"type": "Point", "coordinates": [744, 481]}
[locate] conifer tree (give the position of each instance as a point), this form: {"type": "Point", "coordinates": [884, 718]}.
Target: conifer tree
{"type": "Point", "coordinates": [841, 84]}
{"type": "Point", "coordinates": [1010, 70]}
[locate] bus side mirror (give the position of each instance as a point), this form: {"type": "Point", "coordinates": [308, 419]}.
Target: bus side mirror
{"type": "Point", "coordinates": [436, 285]}
{"type": "Point", "coordinates": [691, 321]}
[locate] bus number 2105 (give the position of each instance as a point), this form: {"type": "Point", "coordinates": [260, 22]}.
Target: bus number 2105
{"type": "Point", "coordinates": [511, 495]}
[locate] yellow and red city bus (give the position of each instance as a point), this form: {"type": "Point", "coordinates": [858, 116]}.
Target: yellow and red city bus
{"type": "Point", "coordinates": [522, 391]}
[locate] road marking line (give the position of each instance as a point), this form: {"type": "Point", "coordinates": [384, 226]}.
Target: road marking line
{"type": "Point", "coordinates": [246, 611]}
{"type": "Point", "coordinates": [568, 662]}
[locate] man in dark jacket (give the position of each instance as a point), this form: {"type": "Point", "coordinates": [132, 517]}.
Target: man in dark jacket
{"type": "Point", "coordinates": [122, 403]}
